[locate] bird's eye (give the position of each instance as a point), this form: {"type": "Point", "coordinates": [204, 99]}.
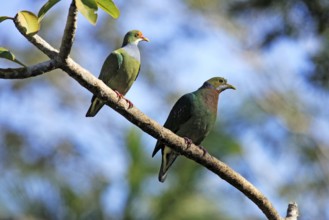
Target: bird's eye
{"type": "Point", "coordinates": [136, 35]}
{"type": "Point", "coordinates": [221, 80]}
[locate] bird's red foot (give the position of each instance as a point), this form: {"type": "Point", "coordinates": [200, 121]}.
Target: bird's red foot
{"type": "Point", "coordinates": [188, 142]}
{"type": "Point", "coordinates": [119, 95]}
{"type": "Point", "coordinates": [203, 149]}
{"type": "Point", "coordinates": [130, 104]}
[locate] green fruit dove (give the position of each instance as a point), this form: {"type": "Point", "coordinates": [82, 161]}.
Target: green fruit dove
{"type": "Point", "coordinates": [192, 117]}
{"type": "Point", "coordinates": [120, 70]}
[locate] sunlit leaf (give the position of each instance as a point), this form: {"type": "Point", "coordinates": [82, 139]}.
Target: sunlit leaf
{"type": "Point", "coordinates": [90, 3]}
{"type": "Point", "coordinates": [6, 54]}
{"type": "Point", "coordinates": [45, 8]}
{"type": "Point", "coordinates": [2, 18]}
{"type": "Point", "coordinates": [28, 21]}
{"type": "Point", "coordinates": [88, 9]}
{"type": "Point", "coordinates": [109, 7]}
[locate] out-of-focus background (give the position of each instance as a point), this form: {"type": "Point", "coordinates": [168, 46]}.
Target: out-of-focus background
{"type": "Point", "coordinates": [274, 129]}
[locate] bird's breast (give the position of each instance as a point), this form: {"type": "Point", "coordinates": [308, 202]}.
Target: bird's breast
{"type": "Point", "coordinates": [126, 76]}
{"type": "Point", "coordinates": [132, 51]}
{"type": "Point", "coordinates": [199, 125]}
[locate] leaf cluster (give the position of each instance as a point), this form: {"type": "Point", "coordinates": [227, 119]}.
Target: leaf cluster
{"type": "Point", "coordinates": [30, 23]}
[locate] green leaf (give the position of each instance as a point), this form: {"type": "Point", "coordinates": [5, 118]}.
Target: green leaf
{"type": "Point", "coordinates": [28, 21]}
{"type": "Point", "coordinates": [90, 3]}
{"type": "Point", "coordinates": [109, 7]}
{"type": "Point", "coordinates": [88, 9]}
{"type": "Point", "coordinates": [45, 8]}
{"type": "Point", "coordinates": [6, 54]}
{"type": "Point", "coordinates": [2, 18]}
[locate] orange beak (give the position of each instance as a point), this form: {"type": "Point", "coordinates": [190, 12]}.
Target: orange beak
{"type": "Point", "coordinates": [144, 38]}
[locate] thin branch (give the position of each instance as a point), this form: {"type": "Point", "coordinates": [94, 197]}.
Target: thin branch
{"type": "Point", "coordinates": [292, 211]}
{"type": "Point", "coordinates": [26, 72]}
{"type": "Point", "coordinates": [42, 45]}
{"type": "Point", "coordinates": [154, 129]}
{"type": "Point", "coordinates": [69, 32]}
{"type": "Point", "coordinates": [37, 41]}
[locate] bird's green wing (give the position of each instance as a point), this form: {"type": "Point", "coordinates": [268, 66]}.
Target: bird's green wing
{"type": "Point", "coordinates": [179, 114]}
{"type": "Point", "coordinates": [111, 66]}
{"type": "Point", "coordinates": [139, 69]}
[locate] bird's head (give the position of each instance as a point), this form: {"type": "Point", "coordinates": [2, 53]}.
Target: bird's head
{"type": "Point", "coordinates": [134, 37]}
{"type": "Point", "coordinates": [218, 83]}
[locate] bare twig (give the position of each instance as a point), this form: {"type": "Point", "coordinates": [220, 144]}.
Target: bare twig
{"type": "Point", "coordinates": [41, 44]}
{"type": "Point", "coordinates": [69, 32]}
{"type": "Point", "coordinates": [26, 72]}
{"type": "Point", "coordinates": [292, 211]}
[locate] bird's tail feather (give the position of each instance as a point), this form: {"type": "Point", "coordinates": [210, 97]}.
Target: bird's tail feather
{"type": "Point", "coordinates": [168, 158]}
{"type": "Point", "coordinates": [94, 108]}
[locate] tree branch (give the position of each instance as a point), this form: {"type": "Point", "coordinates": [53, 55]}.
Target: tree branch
{"type": "Point", "coordinates": [30, 71]}
{"type": "Point", "coordinates": [177, 143]}
{"type": "Point", "coordinates": [69, 32]}
{"type": "Point", "coordinates": [292, 211]}
{"type": "Point", "coordinates": [41, 44]}
{"type": "Point", "coordinates": [37, 41]}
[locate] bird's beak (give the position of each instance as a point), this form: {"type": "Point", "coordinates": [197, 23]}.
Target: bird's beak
{"type": "Point", "coordinates": [145, 38]}
{"type": "Point", "coordinates": [229, 86]}
{"type": "Point", "coordinates": [224, 87]}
